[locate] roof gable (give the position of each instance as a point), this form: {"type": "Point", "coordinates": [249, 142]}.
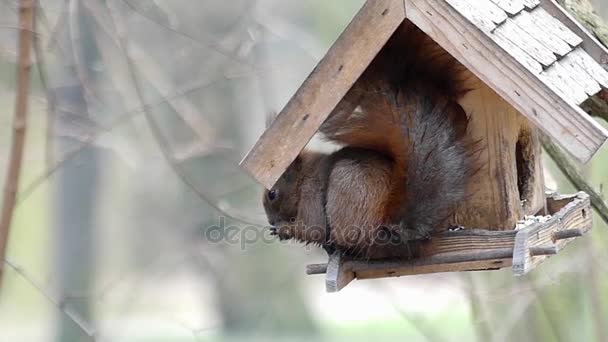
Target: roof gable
{"type": "Point", "coordinates": [522, 52]}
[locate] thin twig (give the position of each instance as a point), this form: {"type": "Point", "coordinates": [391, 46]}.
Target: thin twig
{"type": "Point", "coordinates": [121, 119]}
{"type": "Point", "coordinates": [50, 98]}
{"type": "Point", "coordinates": [216, 47]}
{"type": "Point", "coordinates": [574, 176]}
{"type": "Point", "coordinates": [26, 22]}
{"type": "Point", "coordinates": [162, 141]}
{"type": "Point", "coordinates": [58, 303]}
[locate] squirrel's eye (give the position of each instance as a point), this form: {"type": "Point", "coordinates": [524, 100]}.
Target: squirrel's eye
{"type": "Point", "coordinates": [272, 195]}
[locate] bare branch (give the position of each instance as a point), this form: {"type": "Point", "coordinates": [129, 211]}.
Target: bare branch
{"type": "Point", "coordinates": [26, 22]}
{"type": "Point", "coordinates": [77, 320]}
{"type": "Point", "coordinates": [217, 47]}
{"type": "Point", "coordinates": [42, 72]}
{"type": "Point", "coordinates": [123, 118]}
{"type": "Point", "coordinates": [162, 141]}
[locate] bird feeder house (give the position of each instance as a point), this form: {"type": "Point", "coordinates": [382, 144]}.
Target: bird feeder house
{"type": "Point", "coordinates": [531, 68]}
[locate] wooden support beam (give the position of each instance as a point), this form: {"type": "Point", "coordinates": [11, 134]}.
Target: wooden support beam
{"type": "Point", "coordinates": [547, 250]}
{"type": "Point", "coordinates": [338, 275]}
{"type": "Point", "coordinates": [473, 250]}
{"type": "Point", "coordinates": [526, 253]}
{"type": "Point", "coordinates": [323, 89]}
{"type": "Point", "coordinates": [565, 122]}
{"type": "Point", "coordinates": [567, 234]}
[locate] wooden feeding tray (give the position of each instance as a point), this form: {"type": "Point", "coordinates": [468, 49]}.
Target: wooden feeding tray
{"type": "Point", "coordinates": [523, 248]}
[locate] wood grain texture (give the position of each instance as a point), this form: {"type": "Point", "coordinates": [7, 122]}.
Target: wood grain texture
{"type": "Point", "coordinates": [323, 89]}
{"type": "Point", "coordinates": [575, 215]}
{"type": "Point", "coordinates": [472, 250]}
{"type": "Point", "coordinates": [494, 201]}
{"type": "Point", "coordinates": [338, 275]}
{"type": "Point", "coordinates": [532, 24]}
{"type": "Point", "coordinates": [521, 37]}
{"type": "Point", "coordinates": [580, 75]}
{"type": "Point", "coordinates": [482, 13]}
{"type": "Point", "coordinates": [512, 7]}
{"type": "Point", "coordinates": [582, 58]}
{"type": "Point", "coordinates": [559, 79]}
{"type": "Point", "coordinates": [576, 33]}
{"type": "Point", "coordinates": [533, 199]}
{"type": "Point", "coordinates": [555, 27]}
{"type": "Point", "coordinates": [472, 262]}
{"type": "Point", "coordinates": [566, 123]}
{"type": "Point", "coordinates": [531, 4]}
{"type": "Point", "coordinates": [520, 55]}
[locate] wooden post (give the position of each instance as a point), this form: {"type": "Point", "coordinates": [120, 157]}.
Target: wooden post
{"type": "Point", "coordinates": [510, 183]}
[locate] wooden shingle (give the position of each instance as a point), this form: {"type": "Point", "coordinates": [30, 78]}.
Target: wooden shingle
{"type": "Point", "coordinates": [512, 7]}
{"type": "Point", "coordinates": [531, 23]}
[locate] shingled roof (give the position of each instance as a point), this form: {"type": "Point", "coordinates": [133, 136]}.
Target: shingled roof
{"type": "Point", "coordinates": [540, 42]}
{"type": "Point", "coordinates": [530, 52]}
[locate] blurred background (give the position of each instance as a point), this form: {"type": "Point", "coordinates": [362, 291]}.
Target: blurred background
{"type": "Point", "coordinates": [140, 111]}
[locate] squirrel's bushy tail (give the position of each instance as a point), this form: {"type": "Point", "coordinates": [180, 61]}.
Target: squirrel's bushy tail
{"type": "Point", "coordinates": [410, 67]}
{"type": "Point", "coordinates": [406, 105]}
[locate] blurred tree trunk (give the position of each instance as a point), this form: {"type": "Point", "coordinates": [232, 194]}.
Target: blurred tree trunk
{"type": "Point", "coordinates": [77, 184]}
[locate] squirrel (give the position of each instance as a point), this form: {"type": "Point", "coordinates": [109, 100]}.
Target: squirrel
{"type": "Point", "coordinates": [405, 164]}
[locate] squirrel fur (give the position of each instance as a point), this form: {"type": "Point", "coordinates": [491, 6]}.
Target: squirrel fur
{"type": "Point", "coordinates": [405, 163]}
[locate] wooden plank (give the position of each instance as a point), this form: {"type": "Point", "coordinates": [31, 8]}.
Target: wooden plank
{"type": "Point", "coordinates": [372, 270]}
{"type": "Point", "coordinates": [525, 41]}
{"type": "Point", "coordinates": [323, 89]}
{"type": "Point", "coordinates": [576, 215]}
{"type": "Point", "coordinates": [472, 250]}
{"type": "Point", "coordinates": [558, 78]}
{"type": "Point", "coordinates": [338, 276]}
{"type": "Point", "coordinates": [555, 27]}
{"type": "Point", "coordinates": [488, 8]}
{"type": "Point", "coordinates": [482, 13]}
{"type": "Point", "coordinates": [557, 202]}
{"type": "Point", "coordinates": [512, 7]}
{"type": "Point", "coordinates": [580, 75]}
{"type": "Point", "coordinates": [520, 55]}
{"type": "Point", "coordinates": [576, 32]}
{"type": "Point", "coordinates": [494, 202]}
{"type": "Point", "coordinates": [567, 124]}
{"type": "Point", "coordinates": [531, 24]}
{"type": "Point", "coordinates": [586, 62]}
{"type": "Point", "coordinates": [531, 4]}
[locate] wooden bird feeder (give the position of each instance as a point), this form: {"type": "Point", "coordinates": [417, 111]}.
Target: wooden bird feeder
{"type": "Point", "coordinates": [530, 66]}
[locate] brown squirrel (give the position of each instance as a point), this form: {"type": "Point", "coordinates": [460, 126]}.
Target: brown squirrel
{"type": "Point", "coordinates": [405, 164]}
